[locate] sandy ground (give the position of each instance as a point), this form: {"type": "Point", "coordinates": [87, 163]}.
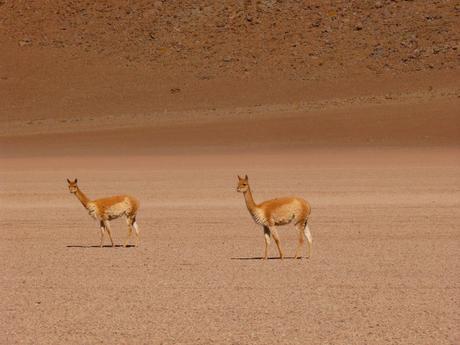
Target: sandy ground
{"type": "Point", "coordinates": [384, 268]}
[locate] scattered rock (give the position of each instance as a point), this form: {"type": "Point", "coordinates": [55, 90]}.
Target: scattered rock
{"type": "Point", "coordinates": [207, 36]}
{"type": "Point", "coordinates": [377, 52]}
{"type": "Point", "coordinates": [25, 42]}
{"type": "Point", "coordinates": [316, 23]}
{"type": "Point", "coordinates": [430, 17]}
{"type": "Point", "coordinates": [175, 90]}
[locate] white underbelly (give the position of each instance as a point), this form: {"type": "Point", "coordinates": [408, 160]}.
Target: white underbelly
{"type": "Point", "coordinates": [285, 214]}
{"type": "Point", "coordinates": [116, 210]}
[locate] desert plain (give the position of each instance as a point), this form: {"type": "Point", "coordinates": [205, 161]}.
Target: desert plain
{"type": "Point", "coordinates": [353, 106]}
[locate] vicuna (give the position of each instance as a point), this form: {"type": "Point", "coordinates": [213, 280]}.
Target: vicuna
{"type": "Point", "coordinates": [106, 209]}
{"type": "Point", "coordinates": [275, 212]}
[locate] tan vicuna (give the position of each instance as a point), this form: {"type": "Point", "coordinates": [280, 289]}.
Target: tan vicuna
{"type": "Point", "coordinates": [275, 212]}
{"type": "Point", "coordinates": [106, 209]}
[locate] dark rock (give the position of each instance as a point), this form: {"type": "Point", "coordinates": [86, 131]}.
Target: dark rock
{"type": "Point", "coordinates": [25, 42]}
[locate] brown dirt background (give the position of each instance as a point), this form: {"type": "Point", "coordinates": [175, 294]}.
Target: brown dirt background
{"type": "Point", "coordinates": [353, 105]}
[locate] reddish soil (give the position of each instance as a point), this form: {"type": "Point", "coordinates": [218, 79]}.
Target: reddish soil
{"type": "Point", "coordinates": [353, 106]}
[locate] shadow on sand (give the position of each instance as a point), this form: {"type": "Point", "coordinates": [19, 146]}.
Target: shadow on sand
{"type": "Point", "coordinates": [269, 258]}
{"type": "Point", "coordinates": [104, 246]}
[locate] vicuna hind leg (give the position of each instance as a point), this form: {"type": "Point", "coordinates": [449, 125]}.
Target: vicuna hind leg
{"type": "Point", "coordinates": [309, 238]}
{"type": "Point", "coordinates": [300, 230]}
{"type": "Point", "coordinates": [136, 231]}
{"type": "Point", "coordinates": [130, 229]}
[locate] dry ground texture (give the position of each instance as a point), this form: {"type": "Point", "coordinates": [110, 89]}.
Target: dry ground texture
{"type": "Point", "coordinates": [384, 266]}
{"type": "Point", "coordinates": [352, 105]}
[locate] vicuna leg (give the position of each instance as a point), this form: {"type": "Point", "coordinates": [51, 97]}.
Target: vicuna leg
{"type": "Point", "coordinates": [136, 230]}
{"type": "Point", "coordinates": [267, 241]}
{"type": "Point", "coordinates": [307, 233]}
{"type": "Point", "coordinates": [107, 227]}
{"type": "Point", "coordinates": [277, 240]}
{"type": "Point", "coordinates": [300, 229]}
{"type": "Point", "coordinates": [130, 229]}
{"type": "Point", "coordinates": [102, 233]}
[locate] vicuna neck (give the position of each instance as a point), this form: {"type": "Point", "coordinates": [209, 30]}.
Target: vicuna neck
{"type": "Point", "coordinates": [250, 204]}
{"type": "Point", "coordinates": [82, 197]}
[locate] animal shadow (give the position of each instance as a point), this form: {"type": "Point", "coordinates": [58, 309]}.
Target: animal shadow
{"type": "Point", "coordinates": [261, 258]}
{"type": "Point", "coordinates": [104, 246]}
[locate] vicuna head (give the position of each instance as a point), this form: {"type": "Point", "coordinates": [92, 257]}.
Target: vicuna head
{"type": "Point", "coordinates": [243, 184]}
{"type": "Point", "coordinates": [72, 186]}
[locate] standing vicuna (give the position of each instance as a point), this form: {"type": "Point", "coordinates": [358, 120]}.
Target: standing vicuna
{"type": "Point", "coordinates": [104, 210]}
{"type": "Point", "coordinates": [275, 212]}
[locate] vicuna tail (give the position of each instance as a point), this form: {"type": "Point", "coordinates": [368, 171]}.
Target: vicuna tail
{"type": "Point", "coordinates": [309, 238]}
{"type": "Point", "coordinates": [135, 226]}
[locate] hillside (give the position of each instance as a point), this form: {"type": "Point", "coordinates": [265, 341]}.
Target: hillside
{"type": "Point", "coordinates": [72, 66]}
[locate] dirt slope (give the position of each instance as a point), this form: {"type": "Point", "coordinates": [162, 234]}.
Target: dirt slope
{"type": "Point", "coordinates": [72, 59]}
{"type": "Point", "coordinates": [297, 40]}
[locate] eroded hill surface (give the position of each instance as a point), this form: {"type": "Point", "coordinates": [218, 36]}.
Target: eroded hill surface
{"type": "Point", "coordinates": [294, 39]}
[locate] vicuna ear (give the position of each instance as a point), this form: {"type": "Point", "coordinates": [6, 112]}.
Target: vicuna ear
{"type": "Point", "coordinates": [239, 178]}
{"type": "Point", "coordinates": [246, 177]}
{"type": "Point", "coordinates": [68, 181]}
{"type": "Point", "coordinates": [76, 180]}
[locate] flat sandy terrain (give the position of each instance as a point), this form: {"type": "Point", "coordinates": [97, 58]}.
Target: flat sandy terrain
{"type": "Point", "coordinates": [384, 268]}
{"type": "Point", "coordinates": [352, 105]}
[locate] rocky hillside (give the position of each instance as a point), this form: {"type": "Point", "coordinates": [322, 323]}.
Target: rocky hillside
{"type": "Point", "coordinates": [299, 40]}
